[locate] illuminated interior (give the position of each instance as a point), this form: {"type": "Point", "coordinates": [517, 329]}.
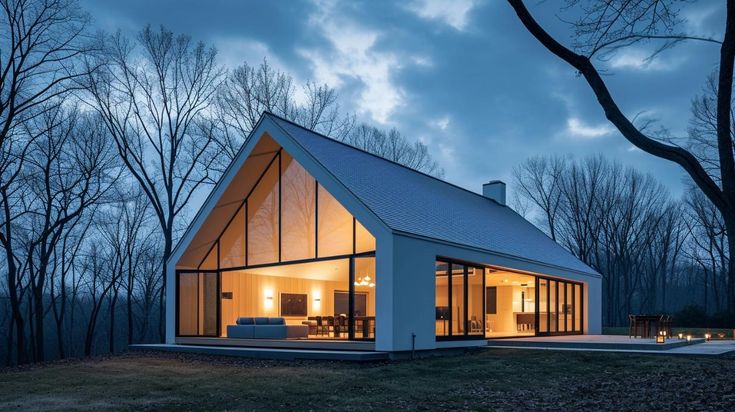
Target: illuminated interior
{"type": "Point", "coordinates": [473, 301]}
{"type": "Point", "coordinates": [289, 250]}
{"type": "Point", "coordinates": [511, 301]}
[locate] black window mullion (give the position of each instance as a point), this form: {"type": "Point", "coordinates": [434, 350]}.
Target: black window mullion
{"type": "Point", "coordinates": [316, 219]}
{"type": "Point", "coordinates": [246, 232]}
{"type": "Point", "coordinates": [351, 301]}
{"type": "Point", "coordinates": [558, 306]}
{"type": "Point", "coordinates": [536, 305]}
{"type": "Point", "coordinates": [566, 307]}
{"type": "Point", "coordinates": [449, 297]}
{"type": "Point", "coordinates": [218, 330]}
{"type": "Point", "coordinates": [548, 306]}
{"type": "Point", "coordinates": [466, 311]}
{"type": "Point", "coordinates": [574, 308]}
{"type": "Point", "coordinates": [280, 193]}
{"type": "Point", "coordinates": [484, 303]}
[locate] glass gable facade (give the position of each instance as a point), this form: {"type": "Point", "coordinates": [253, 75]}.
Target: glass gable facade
{"type": "Point", "coordinates": [290, 251]}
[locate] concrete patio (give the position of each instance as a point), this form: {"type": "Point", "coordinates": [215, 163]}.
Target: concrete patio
{"type": "Point", "coordinates": [268, 353]}
{"type": "Point", "coordinates": [617, 343]}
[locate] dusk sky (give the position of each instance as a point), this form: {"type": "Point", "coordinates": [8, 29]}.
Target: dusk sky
{"type": "Point", "coordinates": [464, 77]}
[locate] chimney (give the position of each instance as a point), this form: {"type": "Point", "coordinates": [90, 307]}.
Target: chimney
{"type": "Point", "coordinates": [495, 190]}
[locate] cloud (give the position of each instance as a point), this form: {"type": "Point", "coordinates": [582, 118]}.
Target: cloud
{"type": "Point", "coordinates": [234, 51]}
{"type": "Point", "coordinates": [441, 123]}
{"type": "Point", "coordinates": [353, 56]}
{"type": "Point", "coordinates": [576, 128]}
{"type": "Point", "coordinates": [453, 13]}
{"type": "Point", "coordinates": [637, 59]}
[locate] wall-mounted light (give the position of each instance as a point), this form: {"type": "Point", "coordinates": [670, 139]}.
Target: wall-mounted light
{"type": "Point", "coordinates": [268, 303]}
{"type": "Point", "coordinates": [316, 301]}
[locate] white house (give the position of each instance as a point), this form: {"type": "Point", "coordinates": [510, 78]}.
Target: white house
{"type": "Point", "coordinates": [310, 241]}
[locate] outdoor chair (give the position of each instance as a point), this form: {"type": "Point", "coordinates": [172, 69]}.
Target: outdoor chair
{"type": "Point", "coordinates": [632, 326]}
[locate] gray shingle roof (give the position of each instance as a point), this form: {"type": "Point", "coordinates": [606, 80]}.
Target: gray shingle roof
{"type": "Point", "coordinates": [416, 203]}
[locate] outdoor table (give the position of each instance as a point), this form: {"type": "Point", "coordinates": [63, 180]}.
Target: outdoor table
{"type": "Point", "coordinates": [645, 323]}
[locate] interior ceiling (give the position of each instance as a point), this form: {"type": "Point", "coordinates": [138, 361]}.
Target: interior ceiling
{"type": "Point", "coordinates": [228, 204]}
{"type": "Point", "coordinates": [327, 270]}
{"type": "Point", "coordinates": [506, 278]}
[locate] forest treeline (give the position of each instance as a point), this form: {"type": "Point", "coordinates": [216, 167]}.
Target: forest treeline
{"type": "Point", "coordinates": [105, 139]}
{"type": "Point", "coordinates": [656, 253]}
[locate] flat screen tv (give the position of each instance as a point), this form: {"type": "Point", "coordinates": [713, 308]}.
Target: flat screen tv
{"type": "Point", "coordinates": [293, 304]}
{"type": "Point", "coordinates": [442, 313]}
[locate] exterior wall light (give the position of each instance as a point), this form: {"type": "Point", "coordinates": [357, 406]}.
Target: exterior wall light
{"type": "Point", "coordinates": [689, 338]}
{"type": "Point", "coordinates": [707, 337]}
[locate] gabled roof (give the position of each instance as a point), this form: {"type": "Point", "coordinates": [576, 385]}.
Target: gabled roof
{"type": "Point", "coordinates": [415, 203]}
{"type": "Point", "coordinates": [401, 199]}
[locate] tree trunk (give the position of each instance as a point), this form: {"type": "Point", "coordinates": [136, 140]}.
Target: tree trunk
{"type": "Point", "coordinates": [168, 242]}
{"type": "Point", "coordinates": [38, 319]}
{"type": "Point", "coordinates": [730, 228]}
{"type": "Point", "coordinates": [113, 304]}
{"type": "Point", "coordinates": [129, 306]}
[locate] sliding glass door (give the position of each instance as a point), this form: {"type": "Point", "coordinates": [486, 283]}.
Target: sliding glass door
{"type": "Point", "coordinates": [560, 310]}
{"type": "Point", "coordinates": [472, 301]}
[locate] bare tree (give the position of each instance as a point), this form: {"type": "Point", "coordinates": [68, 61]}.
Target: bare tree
{"type": "Point", "coordinates": [151, 95]}
{"type": "Point", "coordinates": [70, 168]}
{"type": "Point", "coordinates": [40, 42]}
{"type": "Point", "coordinates": [64, 264]}
{"type": "Point", "coordinates": [249, 91]}
{"type": "Point", "coordinates": [616, 220]}
{"type": "Point", "coordinates": [539, 180]}
{"type": "Point", "coordinates": [606, 26]}
{"type": "Point", "coordinates": [708, 248]}
{"type": "Point", "coordinates": [392, 145]}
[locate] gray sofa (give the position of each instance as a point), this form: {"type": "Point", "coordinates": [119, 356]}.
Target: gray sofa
{"type": "Point", "coordinates": [265, 328]}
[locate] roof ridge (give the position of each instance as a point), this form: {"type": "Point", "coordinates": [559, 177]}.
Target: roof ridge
{"type": "Point", "coordinates": [383, 158]}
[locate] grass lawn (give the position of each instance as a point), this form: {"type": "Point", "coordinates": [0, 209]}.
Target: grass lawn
{"type": "Point", "coordinates": [479, 380]}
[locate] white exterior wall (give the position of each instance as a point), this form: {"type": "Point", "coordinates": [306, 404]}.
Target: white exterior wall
{"type": "Point", "coordinates": [171, 304]}
{"type": "Point", "coordinates": [406, 301]}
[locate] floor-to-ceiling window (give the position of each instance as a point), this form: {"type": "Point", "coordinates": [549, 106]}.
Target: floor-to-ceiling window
{"type": "Point", "coordinates": [560, 307]}
{"type": "Point", "coordinates": [471, 301]}
{"type": "Point", "coordinates": [459, 302]}
{"type": "Point", "coordinates": [292, 251]}
{"type": "Point", "coordinates": [512, 303]}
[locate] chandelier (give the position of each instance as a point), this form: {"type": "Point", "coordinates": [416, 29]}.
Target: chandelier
{"type": "Point", "coordinates": [365, 281]}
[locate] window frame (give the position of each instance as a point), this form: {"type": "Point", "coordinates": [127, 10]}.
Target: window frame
{"type": "Point", "coordinates": [577, 329]}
